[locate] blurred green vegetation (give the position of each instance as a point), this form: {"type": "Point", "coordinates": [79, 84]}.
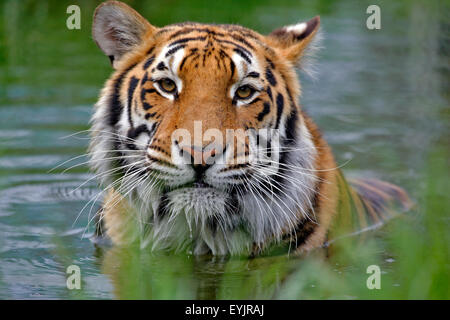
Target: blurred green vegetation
{"type": "Point", "coordinates": [383, 93]}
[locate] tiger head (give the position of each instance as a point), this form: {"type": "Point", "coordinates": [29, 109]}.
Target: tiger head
{"type": "Point", "coordinates": [199, 128]}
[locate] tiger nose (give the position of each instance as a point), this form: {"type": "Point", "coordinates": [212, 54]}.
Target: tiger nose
{"type": "Point", "coordinates": [199, 156]}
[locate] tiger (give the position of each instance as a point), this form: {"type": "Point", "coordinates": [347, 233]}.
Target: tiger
{"type": "Point", "coordinates": [274, 183]}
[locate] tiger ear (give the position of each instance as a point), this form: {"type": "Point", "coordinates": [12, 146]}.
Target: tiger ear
{"type": "Point", "coordinates": [117, 29]}
{"type": "Point", "coordinates": [293, 40]}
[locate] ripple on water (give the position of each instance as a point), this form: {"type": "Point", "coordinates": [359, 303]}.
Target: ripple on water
{"type": "Point", "coordinates": [47, 193]}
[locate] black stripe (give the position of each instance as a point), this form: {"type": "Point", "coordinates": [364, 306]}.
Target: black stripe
{"type": "Point", "coordinates": [131, 88]}
{"type": "Point", "coordinates": [217, 61]}
{"type": "Point", "coordinates": [270, 77]}
{"type": "Point", "coordinates": [268, 144]}
{"type": "Point", "coordinates": [148, 63]}
{"type": "Point", "coordinates": [240, 29]}
{"type": "Point", "coordinates": [242, 40]}
{"type": "Point", "coordinates": [288, 91]}
{"type": "Point", "coordinates": [144, 78]}
{"type": "Point", "coordinates": [184, 40]}
{"type": "Point", "coordinates": [269, 149]}
{"type": "Point", "coordinates": [232, 67]}
{"type": "Point", "coordinates": [149, 115]}
{"type": "Point", "coordinates": [161, 66]}
{"type": "Point", "coordinates": [280, 106]}
{"type": "Point", "coordinates": [291, 126]}
{"type": "Point", "coordinates": [133, 133]}
{"type": "Point", "coordinates": [153, 129]}
{"type": "Point", "coordinates": [189, 30]}
{"type": "Point", "coordinates": [242, 54]}
{"type": "Point", "coordinates": [290, 139]}
{"type": "Point", "coordinates": [164, 30]}
{"type": "Point", "coordinates": [223, 55]}
{"type": "Point", "coordinates": [115, 106]}
{"type": "Point", "coordinates": [174, 49]}
{"type": "Point", "coordinates": [279, 180]}
{"type": "Point", "coordinates": [181, 32]}
{"type": "Point", "coordinates": [160, 161]}
{"type": "Point", "coordinates": [315, 199]}
{"type": "Point", "coordinates": [246, 51]}
{"type": "Point", "coordinates": [269, 93]}
{"type": "Point", "coordinates": [193, 51]}
{"type": "Point", "coordinates": [270, 62]}
{"type": "Point", "coordinates": [253, 101]}
{"type": "Point", "coordinates": [264, 112]}
{"type": "Point", "coordinates": [253, 74]}
{"type": "Point", "coordinates": [159, 149]}
{"type": "Point", "coordinates": [302, 231]}
{"type": "Point", "coordinates": [144, 91]}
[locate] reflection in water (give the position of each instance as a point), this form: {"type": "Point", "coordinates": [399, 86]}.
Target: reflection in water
{"type": "Point", "coordinates": [380, 97]}
{"type": "Point", "coordinates": [137, 274]}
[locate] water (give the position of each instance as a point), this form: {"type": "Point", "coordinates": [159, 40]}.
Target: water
{"type": "Point", "coordinates": [380, 97]}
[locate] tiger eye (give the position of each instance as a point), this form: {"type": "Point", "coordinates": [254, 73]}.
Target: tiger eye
{"type": "Point", "coordinates": [244, 92]}
{"type": "Point", "coordinates": [168, 85]}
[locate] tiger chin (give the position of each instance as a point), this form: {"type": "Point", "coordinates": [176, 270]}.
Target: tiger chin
{"type": "Point", "coordinates": [211, 194]}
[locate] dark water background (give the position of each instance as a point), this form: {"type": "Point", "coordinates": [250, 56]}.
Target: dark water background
{"type": "Point", "coordinates": [380, 97]}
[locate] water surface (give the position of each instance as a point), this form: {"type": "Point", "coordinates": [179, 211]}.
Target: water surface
{"type": "Point", "coordinates": [380, 98]}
